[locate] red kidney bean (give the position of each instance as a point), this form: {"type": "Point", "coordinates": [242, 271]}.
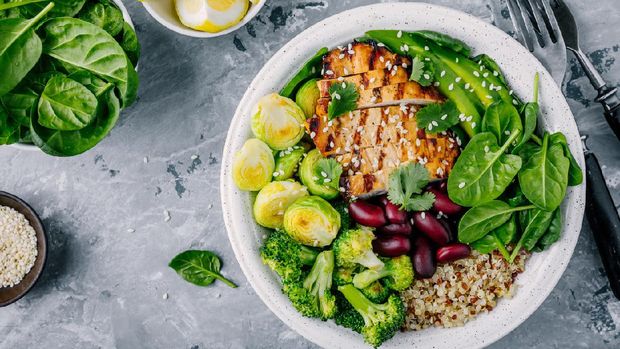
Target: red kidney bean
{"type": "Point", "coordinates": [443, 186]}
{"type": "Point", "coordinates": [391, 246]}
{"type": "Point", "coordinates": [431, 227]}
{"type": "Point", "coordinates": [403, 229]}
{"type": "Point", "coordinates": [367, 214]}
{"type": "Point", "coordinates": [443, 203]}
{"type": "Point", "coordinates": [394, 214]}
{"type": "Point", "coordinates": [452, 252]}
{"type": "Point", "coordinates": [448, 227]}
{"type": "Point", "coordinates": [383, 200]}
{"type": "Point", "coordinates": [423, 258]}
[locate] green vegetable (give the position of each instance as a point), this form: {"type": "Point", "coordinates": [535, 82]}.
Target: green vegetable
{"type": "Point", "coordinates": [9, 129]}
{"type": "Point", "coordinates": [343, 99]}
{"type": "Point", "coordinates": [307, 97]}
{"type": "Point", "coordinates": [287, 162]}
{"type": "Point", "coordinates": [483, 171]}
{"type": "Point", "coordinates": [480, 220]}
{"type": "Point", "coordinates": [534, 223]}
{"type": "Point", "coordinates": [62, 8]}
{"type": "Point", "coordinates": [530, 118]}
{"type": "Point", "coordinates": [37, 79]}
{"type": "Point", "coordinates": [20, 49]}
{"type": "Point", "coordinates": [354, 247]}
{"type": "Point", "coordinates": [310, 69]}
{"type": "Point", "coordinates": [130, 44]}
{"type": "Point", "coordinates": [490, 64]}
{"type": "Point", "coordinates": [311, 176]}
{"type": "Point", "coordinates": [286, 256]}
{"type": "Point", "coordinates": [273, 199]}
{"type": "Point", "coordinates": [278, 121]}
{"type": "Point", "coordinates": [344, 275]}
{"type": "Point", "coordinates": [553, 232]}
{"type": "Point", "coordinates": [88, 47]}
{"type": "Point", "coordinates": [376, 292]}
{"type": "Point", "coordinates": [498, 238]}
{"type": "Point", "coordinates": [406, 185]}
{"type": "Point", "coordinates": [21, 104]}
{"type": "Point", "coordinates": [438, 117]}
{"type": "Point", "coordinates": [312, 221]}
{"type": "Point", "coordinates": [544, 177]}
{"type": "Point", "coordinates": [381, 321]}
{"type": "Point", "coordinates": [447, 41]}
{"type": "Point", "coordinates": [66, 105]}
{"type": "Point", "coordinates": [575, 176]}
{"type": "Point", "coordinates": [347, 316]}
{"type": "Point", "coordinates": [396, 273]}
{"type": "Point", "coordinates": [201, 268]}
{"type": "Point", "coordinates": [253, 165]}
{"type": "Point", "coordinates": [103, 14]}
{"type": "Point", "coordinates": [345, 219]}
{"type": "Point", "coordinates": [502, 120]}
{"type": "Point", "coordinates": [422, 71]}
{"type": "Point", "coordinates": [92, 82]}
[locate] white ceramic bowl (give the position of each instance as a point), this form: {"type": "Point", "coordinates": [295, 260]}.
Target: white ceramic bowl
{"type": "Point", "coordinates": [163, 11]}
{"type": "Point", "coordinates": [32, 147]}
{"type": "Point", "coordinates": [543, 270]}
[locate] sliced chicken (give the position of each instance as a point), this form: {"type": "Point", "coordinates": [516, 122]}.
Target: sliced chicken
{"type": "Point", "coordinates": [358, 57]}
{"type": "Point", "coordinates": [368, 80]}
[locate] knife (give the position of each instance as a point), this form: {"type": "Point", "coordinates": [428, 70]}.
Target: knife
{"type": "Point", "coordinates": [606, 95]}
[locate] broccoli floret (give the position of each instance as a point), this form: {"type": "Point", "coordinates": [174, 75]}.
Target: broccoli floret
{"type": "Point", "coordinates": [286, 256]}
{"type": "Point", "coordinates": [313, 297]}
{"type": "Point", "coordinates": [343, 276]}
{"type": "Point", "coordinates": [347, 316]}
{"type": "Point", "coordinates": [376, 292]}
{"type": "Point", "coordinates": [381, 321]}
{"type": "Point", "coordinates": [354, 247]}
{"type": "Point", "coordinates": [396, 273]}
{"type": "Point", "coordinates": [345, 218]}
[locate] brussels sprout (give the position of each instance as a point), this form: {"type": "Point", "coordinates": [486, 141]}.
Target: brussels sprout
{"type": "Point", "coordinates": [287, 162]}
{"type": "Point", "coordinates": [253, 165]}
{"type": "Point", "coordinates": [278, 121]}
{"type": "Point", "coordinates": [274, 199]}
{"type": "Point", "coordinates": [316, 181]}
{"type": "Point", "coordinates": [312, 221]}
{"type": "Point", "coordinates": [307, 97]}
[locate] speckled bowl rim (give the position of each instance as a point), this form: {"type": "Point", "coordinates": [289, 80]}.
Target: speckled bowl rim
{"type": "Point", "coordinates": [127, 18]}
{"type": "Point", "coordinates": [543, 270]}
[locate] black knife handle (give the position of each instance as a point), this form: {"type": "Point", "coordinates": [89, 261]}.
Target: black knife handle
{"type": "Point", "coordinates": [613, 119]}
{"type": "Point", "coordinates": [611, 104]}
{"type": "Point", "coordinates": [604, 221]}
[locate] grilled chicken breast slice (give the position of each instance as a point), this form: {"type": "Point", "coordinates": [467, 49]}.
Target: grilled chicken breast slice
{"type": "Point", "coordinates": [358, 57]}
{"type": "Point", "coordinates": [364, 81]}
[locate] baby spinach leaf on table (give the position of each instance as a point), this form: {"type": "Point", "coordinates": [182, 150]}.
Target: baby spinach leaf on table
{"type": "Point", "coordinates": [544, 177]}
{"type": "Point", "coordinates": [480, 220]}
{"type": "Point", "coordinates": [20, 49]}
{"type": "Point", "coordinates": [88, 47]}
{"type": "Point", "coordinates": [66, 105]}
{"type": "Point", "coordinates": [104, 15]}
{"type": "Point", "coordinates": [438, 117]}
{"type": "Point", "coordinates": [344, 99]}
{"type": "Point", "coordinates": [21, 104]}
{"type": "Point", "coordinates": [406, 185]}
{"type": "Point", "coordinates": [502, 120]}
{"type": "Point", "coordinates": [575, 176]}
{"type": "Point", "coordinates": [534, 223]}
{"type": "Point", "coordinates": [553, 232]}
{"type": "Point", "coordinates": [422, 71]}
{"type": "Point", "coordinates": [483, 171]}
{"type": "Point", "coordinates": [9, 129]}
{"type": "Point", "coordinates": [201, 268]}
{"type": "Point", "coordinates": [444, 40]}
{"type": "Point", "coordinates": [129, 42]}
{"type": "Point", "coordinates": [69, 143]}
{"type": "Point", "coordinates": [310, 69]}
{"type": "Point", "coordinates": [62, 8]}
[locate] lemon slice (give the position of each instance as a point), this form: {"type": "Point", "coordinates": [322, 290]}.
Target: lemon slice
{"type": "Point", "coordinates": [211, 15]}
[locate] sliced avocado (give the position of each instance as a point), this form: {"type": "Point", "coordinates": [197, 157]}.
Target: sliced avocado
{"type": "Point", "coordinates": [308, 178]}
{"type": "Point", "coordinates": [307, 97]}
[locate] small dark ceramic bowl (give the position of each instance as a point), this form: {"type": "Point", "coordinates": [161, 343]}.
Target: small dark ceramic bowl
{"type": "Point", "coordinates": [9, 295]}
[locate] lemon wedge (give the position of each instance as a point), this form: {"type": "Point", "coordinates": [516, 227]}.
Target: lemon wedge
{"type": "Point", "coordinates": [211, 15]}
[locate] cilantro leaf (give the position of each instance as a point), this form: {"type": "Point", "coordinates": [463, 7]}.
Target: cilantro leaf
{"type": "Point", "coordinates": [344, 99]}
{"type": "Point", "coordinates": [327, 172]}
{"type": "Point", "coordinates": [422, 71]}
{"type": "Point", "coordinates": [405, 186]}
{"type": "Point", "coordinates": [438, 117]}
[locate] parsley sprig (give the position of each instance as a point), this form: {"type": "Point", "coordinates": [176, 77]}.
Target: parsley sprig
{"type": "Point", "coordinates": [327, 172]}
{"type": "Point", "coordinates": [438, 117]}
{"type": "Point", "coordinates": [422, 71]}
{"type": "Point", "coordinates": [406, 185]}
{"type": "Point", "coordinates": [344, 99]}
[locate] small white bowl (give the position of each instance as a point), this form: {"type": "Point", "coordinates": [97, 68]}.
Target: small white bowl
{"type": "Point", "coordinates": [163, 11]}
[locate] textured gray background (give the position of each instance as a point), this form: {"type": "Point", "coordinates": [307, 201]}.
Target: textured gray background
{"type": "Point", "coordinates": [103, 285]}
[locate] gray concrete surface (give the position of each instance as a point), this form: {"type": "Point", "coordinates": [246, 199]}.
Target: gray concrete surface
{"type": "Point", "coordinates": [104, 286]}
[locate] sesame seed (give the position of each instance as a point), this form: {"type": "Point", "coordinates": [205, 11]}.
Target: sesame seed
{"type": "Point", "coordinates": [457, 79]}
{"type": "Point", "coordinates": [344, 85]}
{"type": "Point", "coordinates": [345, 71]}
{"type": "Point", "coordinates": [435, 123]}
{"type": "Point", "coordinates": [444, 116]}
{"type": "Point", "coordinates": [131, 230]}
{"type": "Point", "coordinates": [443, 73]}
{"type": "Point", "coordinates": [325, 129]}
{"type": "Point", "coordinates": [451, 87]}
{"type": "Point", "coordinates": [380, 44]}
{"type": "Point", "coordinates": [341, 56]}
{"type": "Point", "coordinates": [341, 78]}
{"type": "Point", "coordinates": [399, 34]}
{"type": "Point", "coordinates": [507, 132]}
{"type": "Point", "coordinates": [146, 159]}
{"type": "Point", "coordinates": [312, 134]}
{"type": "Point", "coordinates": [476, 73]}
{"type": "Point", "coordinates": [329, 72]}
{"type": "Point", "coordinates": [165, 296]}
{"type": "Point", "coordinates": [423, 215]}
{"type": "Point", "coordinates": [462, 185]}
{"type": "Point", "coordinates": [495, 73]}
{"type": "Point", "coordinates": [426, 48]}
{"type": "Point", "coordinates": [486, 148]}
{"type": "Point", "coordinates": [426, 76]}
{"type": "Point", "coordinates": [467, 85]}
{"type": "Point", "coordinates": [485, 75]}
{"type": "Point", "coordinates": [489, 97]}
{"type": "Point", "coordinates": [381, 59]}
{"type": "Point", "coordinates": [436, 84]}
{"type": "Point", "coordinates": [484, 84]}
{"type": "Point", "coordinates": [473, 125]}
{"type": "Point", "coordinates": [372, 80]}
{"type": "Point", "coordinates": [514, 101]}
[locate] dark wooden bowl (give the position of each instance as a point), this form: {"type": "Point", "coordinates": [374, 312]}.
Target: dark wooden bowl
{"type": "Point", "coordinates": [9, 295]}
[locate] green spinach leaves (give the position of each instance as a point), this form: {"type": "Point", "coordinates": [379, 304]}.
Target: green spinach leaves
{"type": "Point", "coordinates": [66, 105]}
{"type": "Point", "coordinates": [201, 268]}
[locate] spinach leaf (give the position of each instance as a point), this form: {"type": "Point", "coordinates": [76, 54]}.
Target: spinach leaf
{"type": "Point", "coordinates": [480, 220]}
{"type": "Point", "coordinates": [498, 238]}
{"type": "Point", "coordinates": [575, 176]}
{"type": "Point", "coordinates": [20, 49]}
{"type": "Point", "coordinates": [502, 120]}
{"type": "Point", "coordinates": [534, 223]}
{"type": "Point", "coordinates": [103, 14]}
{"type": "Point", "coordinates": [544, 177]}
{"type": "Point", "coordinates": [437, 117]}
{"type": "Point", "coordinates": [553, 233]}
{"type": "Point", "coordinates": [96, 85]}
{"type": "Point", "coordinates": [9, 129]}
{"type": "Point", "coordinates": [201, 268]}
{"type": "Point", "coordinates": [85, 46]}
{"type": "Point", "coordinates": [444, 40]}
{"type": "Point", "coordinates": [36, 81]}
{"type": "Point", "coordinates": [129, 42]}
{"type": "Point", "coordinates": [310, 69]}
{"type": "Point", "coordinates": [483, 171]}
{"type": "Point", "coordinates": [62, 8]}
{"type": "Point", "coordinates": [21, 104]}
{"type": "Point", "coordinates": [507, 232]}
{"type": "Point", "coordinates": [66, 105]}
{"type": "Point", "coordinates": [530, 118]}
{"type": "Point", "coordinates": [69, 143]}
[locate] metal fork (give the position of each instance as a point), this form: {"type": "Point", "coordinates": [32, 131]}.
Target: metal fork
{"type": "Point", "coordinates": [538, 30]}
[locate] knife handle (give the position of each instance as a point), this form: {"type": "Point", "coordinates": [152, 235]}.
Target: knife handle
{"type": "Point", "coordinates": [604, 221]}
{"type": "Point", "coordinates": [613, 119]}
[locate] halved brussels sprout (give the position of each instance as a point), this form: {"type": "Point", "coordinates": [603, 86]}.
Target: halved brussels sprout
{"type": "Point", "coordinates": [307, 97]}
{"type": "Point", "coordinates": [315, 182]}
{"type": "Point", "coordinates": [273, 200]}
{"type": "Point", "coordinates": [278, 121]}
{"type": "Point", "coordinates": [253, 165]}
{"type": "Point", "coordinates": [312, 221]}
{"type": "Point", "coordinates": [287, 162]}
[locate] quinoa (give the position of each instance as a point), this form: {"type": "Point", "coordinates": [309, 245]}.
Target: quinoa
{"type": "Point", "coordinates": [18, 247]}
{"type": "Point", "coordinates": [461, 290]}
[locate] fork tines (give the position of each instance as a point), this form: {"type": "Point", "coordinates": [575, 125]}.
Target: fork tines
{"type": "Point", "coordinates": [534, 23]}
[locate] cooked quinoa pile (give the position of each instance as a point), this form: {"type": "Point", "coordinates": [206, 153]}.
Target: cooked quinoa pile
{"type": "Point", "coordinates": [18, 247]}
{"type": "Point", "coordinates": [461, 290]}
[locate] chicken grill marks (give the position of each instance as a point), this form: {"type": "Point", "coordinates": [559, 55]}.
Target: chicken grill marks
{"type": "Point", "coordinates": [358, 58]}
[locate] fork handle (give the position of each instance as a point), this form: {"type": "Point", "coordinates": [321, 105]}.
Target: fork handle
{"type": "Point", "coordinates": [611, 104]}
